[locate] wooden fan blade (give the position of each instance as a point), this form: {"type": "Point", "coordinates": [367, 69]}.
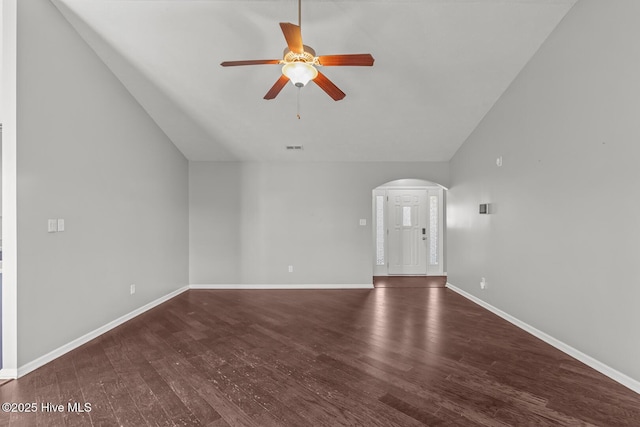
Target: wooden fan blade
{"type": "Point", "coordinates": [250, 62]}
{"type": "Point", "coordinates": [277, 87]}
{"type": "Point", "coordinates": [328, 86]}
{"type": "Point", "coordinates": [358, 59]}
{"type": "Point", "coordinates": [293, 36]}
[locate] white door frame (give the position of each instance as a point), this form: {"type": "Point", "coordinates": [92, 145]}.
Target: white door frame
{"type": "Point", "coordinates": [9, 191]}
{"type": "Point", "coordinates": [381, 252]}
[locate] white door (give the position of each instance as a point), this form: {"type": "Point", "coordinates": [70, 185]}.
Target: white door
{"type": "Point", "coordinates": [407, 231]}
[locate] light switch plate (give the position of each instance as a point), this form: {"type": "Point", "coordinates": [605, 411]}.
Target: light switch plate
{"type": "Point", "coordinates": [60, 224]}
{"type": "Point", "coordinates": [52, 225]}
{"type": "Point", "coordinates": [363, 222]}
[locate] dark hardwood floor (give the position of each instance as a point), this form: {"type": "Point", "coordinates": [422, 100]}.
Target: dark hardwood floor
{"type": "Point", "coordinates": [381, 357]}
{"type": "Point", "coordinates": [409, 281]}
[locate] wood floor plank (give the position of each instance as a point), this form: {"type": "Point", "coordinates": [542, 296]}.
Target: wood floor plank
{"type": "Point", "coordinates": [418, 413]}
{"type": "Point", "coordinates": [71, 394]}
{"type": "Point", "coordinates": [196, 405]}
{"type": "Point", "coordinates": [22, 392]}
{"type": "Point", "coordinates": [129, 371]}
{"type": "Point", "coordinates": [389, 356]}
{"type": "Point", "coordinates": [316, 378]}
{"type": "Point", "coordinates": [91, 375]}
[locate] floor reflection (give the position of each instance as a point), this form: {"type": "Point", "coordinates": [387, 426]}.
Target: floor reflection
{"type": "Point", "coordinates": [396, 329]}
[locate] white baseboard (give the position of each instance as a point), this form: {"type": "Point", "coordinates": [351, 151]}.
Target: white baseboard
{"type": "Point", "coordinates": [615, 375]}
{"type": "Point", "coordinates": [8, 374]}
{"type": "Point", "coordinates": [282, 286]}
{"type": "Point", "coordinates": [35, 364]}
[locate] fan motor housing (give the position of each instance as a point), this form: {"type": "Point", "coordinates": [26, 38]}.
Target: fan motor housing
{"type": "Point", "coordinates": [307, 56]}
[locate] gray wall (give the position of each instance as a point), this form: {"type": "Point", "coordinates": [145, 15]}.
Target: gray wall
{"type": "Point", "coordinates": [561, 250]}
{"type": "Point", "coordinates": [88, 153]}
{"type": "Point", "coordinates": [0, 179]}
{"type": "Point", "coordinates": [249, 221]}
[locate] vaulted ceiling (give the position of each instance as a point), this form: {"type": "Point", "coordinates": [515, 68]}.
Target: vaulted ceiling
{"type": "Point", "coordinates": [440, 65]}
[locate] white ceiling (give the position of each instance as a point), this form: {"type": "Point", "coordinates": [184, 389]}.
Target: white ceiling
{"type": "Point", "coordinates": [439, 67]}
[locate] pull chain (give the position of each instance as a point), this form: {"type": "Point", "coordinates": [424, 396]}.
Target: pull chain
{"type": "Point", "coordinates": [298, 105]}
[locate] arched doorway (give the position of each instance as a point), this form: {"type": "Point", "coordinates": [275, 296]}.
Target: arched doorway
{"type": "Point", "coordinates": [408, 233]}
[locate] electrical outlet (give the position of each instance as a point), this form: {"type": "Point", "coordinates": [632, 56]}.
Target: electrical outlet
{"type": "Point", "coordinates": [291, 269]}
{"type": "Point", "coordinates": [483, 283]}
{"type": "Point", "coordinates": [132, 288]}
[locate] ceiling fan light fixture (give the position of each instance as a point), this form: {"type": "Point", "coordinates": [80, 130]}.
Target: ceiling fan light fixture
{"type": "Point", "coordinates": [300, 73]}
{"type": "Point", "coordinates": [299, 63]}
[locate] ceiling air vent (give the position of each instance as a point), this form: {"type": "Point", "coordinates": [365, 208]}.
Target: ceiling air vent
{"type": "Point", "coordinates": [293, 147]}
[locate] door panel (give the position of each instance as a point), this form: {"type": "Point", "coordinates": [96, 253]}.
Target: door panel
{"type": "Point", "coordinates": [407, 231]}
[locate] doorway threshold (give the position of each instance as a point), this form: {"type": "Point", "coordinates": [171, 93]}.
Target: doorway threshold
{"type": "Point", "coordinates": [409, 281]}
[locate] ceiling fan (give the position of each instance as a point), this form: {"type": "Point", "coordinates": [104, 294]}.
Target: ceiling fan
{"type": "Point", "coordinates": [300, 63]}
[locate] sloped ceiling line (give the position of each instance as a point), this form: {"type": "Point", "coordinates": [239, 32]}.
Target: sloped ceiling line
{"type": "Point", "coordinates": [440, 67]}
